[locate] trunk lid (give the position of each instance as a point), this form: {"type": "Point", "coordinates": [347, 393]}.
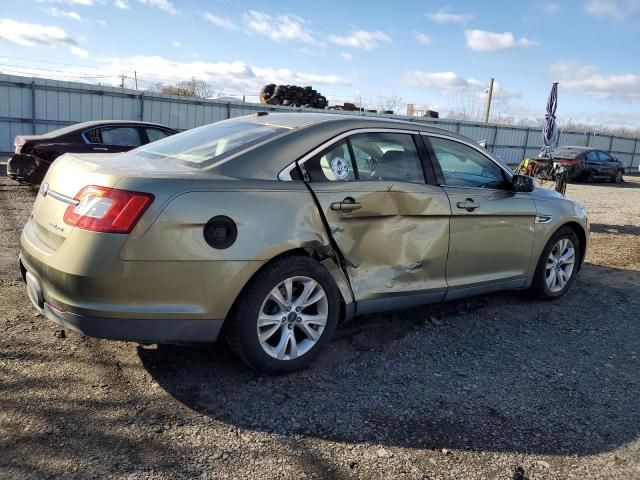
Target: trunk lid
{"type": "Point", "coordinates": [66, 177]}
{"type": "Point", "coordinates": [70, 173]}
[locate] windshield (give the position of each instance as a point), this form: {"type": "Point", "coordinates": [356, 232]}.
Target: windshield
{"type": "Point", "coordinates": [202, 146]}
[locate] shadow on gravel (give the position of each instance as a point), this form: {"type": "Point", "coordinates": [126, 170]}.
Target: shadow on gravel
{"type": "Point", "coordinates": [604, 183]}
{"type": "Point", "coordinates": [615, 229]}
{"type": "Point", "coordinates": [495, 373]}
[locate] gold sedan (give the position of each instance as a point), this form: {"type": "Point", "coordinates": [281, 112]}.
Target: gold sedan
{"type": "Point", "coordinates": [271, 229]}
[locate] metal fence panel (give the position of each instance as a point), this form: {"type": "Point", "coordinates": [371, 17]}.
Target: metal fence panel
{"type": "Point", "coordinates": [58, 104]}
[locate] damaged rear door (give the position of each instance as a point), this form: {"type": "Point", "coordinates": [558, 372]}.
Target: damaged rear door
{"type": "Point", "coordinates": [390, 226]}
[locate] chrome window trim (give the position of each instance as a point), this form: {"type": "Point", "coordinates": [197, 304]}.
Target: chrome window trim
{"type": "Point", "coordinates": [285, 173]}
{"type": "Point", "coordinates": [477, 148]}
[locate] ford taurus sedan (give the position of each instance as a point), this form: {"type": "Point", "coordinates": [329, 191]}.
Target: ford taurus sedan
{"type": "Point", "coordinates": [34, 153]}
{"type": "Point", "coordinates": [271, 229]}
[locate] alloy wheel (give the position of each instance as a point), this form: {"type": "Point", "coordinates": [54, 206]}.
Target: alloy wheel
{"type": "Point", "coordinates": [560, 265]}
{"type": "Point", "coordinates": [292, 318]}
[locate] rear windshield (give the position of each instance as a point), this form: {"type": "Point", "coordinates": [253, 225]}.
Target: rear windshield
{"type": "Point", "coordinates": [566, 152]}
{"type": "Point", "coordinates": [202, 146]}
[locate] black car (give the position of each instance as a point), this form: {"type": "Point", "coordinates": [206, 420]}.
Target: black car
{"type": "Point", "coordinates": [587, 164]}
{"type": "Point", "coordinates": [34, 153]}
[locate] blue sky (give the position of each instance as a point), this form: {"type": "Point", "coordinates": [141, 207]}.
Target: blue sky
{"type": "Point", "coordinates": [435, 54]}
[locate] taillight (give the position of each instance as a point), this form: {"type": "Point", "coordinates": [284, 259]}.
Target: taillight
{"type": "Point", "coordinates": [568, 162]}
{"type": "Point", "coordinates": [107, 210]}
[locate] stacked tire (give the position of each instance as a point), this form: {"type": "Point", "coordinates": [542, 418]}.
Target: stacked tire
{"type": "Point", "coordinates": [292, 96]}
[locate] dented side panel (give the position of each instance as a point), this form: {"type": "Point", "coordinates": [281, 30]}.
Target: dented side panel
{"type": "Point", "coordinates": [396, 242]}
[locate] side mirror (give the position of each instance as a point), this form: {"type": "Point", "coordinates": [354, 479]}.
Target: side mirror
{"type": "Point", "coordinates": [522, 183]}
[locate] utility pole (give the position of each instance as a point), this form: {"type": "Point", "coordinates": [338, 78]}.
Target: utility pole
{"type": "Point", "coordinates": [488, 108]}
{"type": "Point", "coordinates": [122, 77]}
{"type": "Point", "coordinates": [135, 75]}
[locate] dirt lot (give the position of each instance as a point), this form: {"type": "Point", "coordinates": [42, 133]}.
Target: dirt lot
{"type": "Point", "coordinates": [496, 387]}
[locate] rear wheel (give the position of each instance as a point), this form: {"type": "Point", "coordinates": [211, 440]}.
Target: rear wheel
{"type": "Point", "coordinates": [286, 316]}
{"type": "Point", "coordinates": [557, 265]}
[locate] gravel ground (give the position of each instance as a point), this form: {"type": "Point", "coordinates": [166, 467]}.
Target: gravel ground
{"type": "Point", "coordinates": [495, 387]}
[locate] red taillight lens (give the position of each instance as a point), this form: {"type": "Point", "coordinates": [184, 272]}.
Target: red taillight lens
{"type": "Point", "coordinates": [107, 210]}
{"type": "Point", "coordinates": [568, 162]}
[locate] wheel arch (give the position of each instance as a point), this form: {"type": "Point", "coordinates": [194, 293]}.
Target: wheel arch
{"type": "Point", "coordinates": [582, 238]}
{"type": "Point", "coordinates": [339, 278]}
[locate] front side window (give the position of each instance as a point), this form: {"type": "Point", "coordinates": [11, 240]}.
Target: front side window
{"type": "Point", "coordinates": [200, 147]}
{"type": "Point", "coordinates": [122, 136]}
{"type": "Point", "coordinates": [592, 157]}
{"type": "Point", "coordinates": [463, 166]}
{"type": "Point", "coordinates": [604, 157]}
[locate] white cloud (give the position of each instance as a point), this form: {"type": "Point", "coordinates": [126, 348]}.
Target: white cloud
{"type": "Point", "coordinates": [346, 56]}
{"type": "Point", "coordinates": [176, 44]}
{"type": "Point", "coordinates": [56, 12]}
{"type": "Point", "coordinates": [444, 15]}
{"type": "Point", "coordinates": [361, 39]}
{"type": "Point", "coordinates": [78, 52]}
{"type": "Point", "coordinates": [221, 22]}
{"type": "Point", "coordinates": [31, 34]}
{"type": "Point", "coordinates": [587, 79]}
{"type": "Point", "coordinates": [422, 38]}
{"type": "Point", "coordinates": [122, 4]}
{"type": "Point", "coordinates": [84, 3]}
{"type": "Point", "coordinates": [165, 5]}
{"type": "Point", "coordinates": [549, 8]}
{"type": "Point", "coordinates": [448, 83]}
{"type": "Point", "coordinates": [484, 41]}
{"type": "Point", "coordinates": [277, 28]}
{"type": "Point", "coordinates": [231, 77]}
{"type": "Point", "coordinates": [604, 8]}
{"type": "Point", "coordinates": [102, 23]}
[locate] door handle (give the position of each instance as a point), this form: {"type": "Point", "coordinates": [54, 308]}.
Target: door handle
{"type": "Point", "coordinates": [469, 205]}
{"type": "Point", "coordinates": [347, 205]}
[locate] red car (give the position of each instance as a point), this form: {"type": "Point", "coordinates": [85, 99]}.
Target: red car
{"type": "Point", "coordinates": [35, 153]}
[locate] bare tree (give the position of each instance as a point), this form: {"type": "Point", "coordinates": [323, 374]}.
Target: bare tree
{"type": "Point", "coordinates": [390, 103]}
{"type": "Point", "coordinates": [187, 88]}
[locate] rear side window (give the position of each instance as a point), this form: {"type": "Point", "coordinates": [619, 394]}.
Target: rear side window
{"type": "Point", "coordinates": [387, 156]}
{"type": "Point", "coordinates": [155, 134]}
{"type": "Point", "coordinates": [200, 147]}
{"type": "Point", "coordinates": [122, 136]}
{"type": "Point", "coordinates": [375, 156]}
{"type": "Point", "coordinates": [334, 164]}
{"type": "Point", "coordinates": [93, 136]}
{"type": "Point", "coordinates": [592, 157]}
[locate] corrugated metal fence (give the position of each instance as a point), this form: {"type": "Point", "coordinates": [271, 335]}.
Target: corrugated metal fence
{"type": "Point", "coordinates": [33, 105]}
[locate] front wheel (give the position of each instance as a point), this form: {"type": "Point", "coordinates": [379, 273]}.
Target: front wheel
{"type": "Point", "coordinates": [286, 316]}
{"type": "Point", "coordinates": [557, 266]}
{"type": "Point", "coordinates": [618, 177]}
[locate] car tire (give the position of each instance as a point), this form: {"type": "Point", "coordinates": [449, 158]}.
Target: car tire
{"type": "Point", "coordinates": [286, 340]}
{"type": "Point", "coordinates": [618, 177]}
{"type": "Point", "coordinates": [543, 286]}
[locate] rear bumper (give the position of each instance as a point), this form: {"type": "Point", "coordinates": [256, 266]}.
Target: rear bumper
{"type": "Point", "coordinates": [27, 168]}
{"type": "Point", "coordinates": [160, 330]}
{"type": "Point", "coordinates": [173, 331]}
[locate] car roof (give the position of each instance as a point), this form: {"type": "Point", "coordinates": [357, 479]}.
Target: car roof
{"type": "Point", "coordinates": [295, 120]}
{"type": "Point", "coordinates": [306, 132]}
